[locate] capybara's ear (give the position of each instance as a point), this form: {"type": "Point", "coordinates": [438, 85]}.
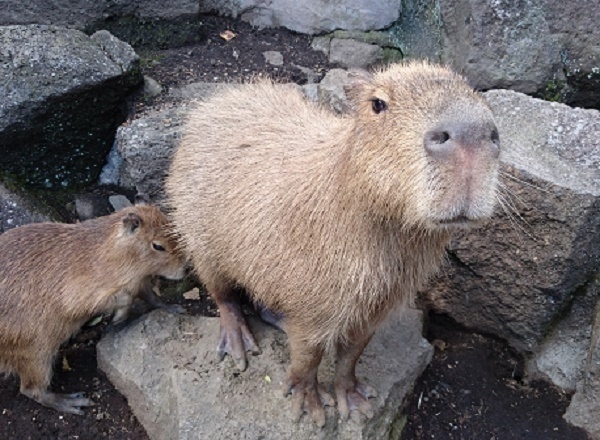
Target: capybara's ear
{"type": "Point", "coordinates": [142, 199]}
{"type": "Point", "coordinates": [359, 82]}
{"type": "Point", "coordinates": [132, 222]}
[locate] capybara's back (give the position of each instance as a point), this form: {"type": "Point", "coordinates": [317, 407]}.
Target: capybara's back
{"type": "Point", "coordinates": [330, 220]}
{"type": "Point", "coordinates": [54, 277]}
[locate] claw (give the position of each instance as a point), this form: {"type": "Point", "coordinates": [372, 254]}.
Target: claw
{"type": "Point", "coordinates": [69, 403]}
{"type": "Point", "coordinates": [355, 398]}
{"type": "Point", "coordinates": [308, 396]}
{"type": "Point", "coordinates": [235, 337]}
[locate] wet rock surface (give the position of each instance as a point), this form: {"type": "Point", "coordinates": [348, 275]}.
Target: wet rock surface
{"type": "Point", "coordinates": [60, 98]}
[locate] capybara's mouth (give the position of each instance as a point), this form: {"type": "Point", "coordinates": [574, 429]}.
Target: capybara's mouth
{"type": "Point", "coordinates": [459, 220]}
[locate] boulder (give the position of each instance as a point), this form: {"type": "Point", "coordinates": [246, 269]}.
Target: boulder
{"type": "Point", "coordinates": [53, 83]}
{"type": "Point", "coordinates": [518, 276]}
{"type": "Point", "coordinates": [585, 404]}
{"type": "Point", "coordinates": [166, 366]}
{"type": "Point", "coordinates": [311, 16]}
{"type": "Point", "coordinates": [544, 47]}
{"type": "Point", "coordinates": [352, 53]}
{"type": "Point", "coordinates": [144, 147]}
{"type": "Point", "coordinates": [82, 13]}
{"type": "Point", "coordinates": [502, 44]}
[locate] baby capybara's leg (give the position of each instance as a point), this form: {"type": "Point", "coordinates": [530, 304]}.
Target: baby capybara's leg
{"type": "Point", "coordinates": [151, 298]}
{"type": "Point", "coordinates": [235, 337]}
{"type": "Point", "coordinates": [35, 375]}
{"type": "Point", "coordinates": [307, 394]}
{"type": "Point", "coordinates": [352, 394]}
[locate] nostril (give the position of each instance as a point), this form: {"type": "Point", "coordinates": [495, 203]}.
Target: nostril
{"type": "Point", "coordinates": [438, 142]}
{"type": "Point", "coordinates": [439, 137]}
{"type": "Point", "coordinates": [495, 136]}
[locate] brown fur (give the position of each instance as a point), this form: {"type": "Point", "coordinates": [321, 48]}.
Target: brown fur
{"type": "Point", "coordinates": [54, 277]}
{"type": "Point", "coordinates": [330, 220]}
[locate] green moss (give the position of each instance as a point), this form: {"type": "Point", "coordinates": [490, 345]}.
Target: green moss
{"type": "Point", "coordinates": [554, 91]}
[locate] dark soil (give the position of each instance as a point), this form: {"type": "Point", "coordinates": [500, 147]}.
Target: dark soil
{"type": "Point", "coordinates": [473, 388]}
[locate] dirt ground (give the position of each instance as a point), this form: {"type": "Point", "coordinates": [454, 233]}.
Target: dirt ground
{"type": "Point", "coordinates": [473, 389]}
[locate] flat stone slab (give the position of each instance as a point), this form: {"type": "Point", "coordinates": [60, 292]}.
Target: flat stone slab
{"type": "Point", "coordinates": [166, 367]}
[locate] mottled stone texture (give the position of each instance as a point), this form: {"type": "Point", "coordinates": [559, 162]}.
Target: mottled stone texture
{"type": "Point", "coordinates": [61, 98]}
{"type": "Point", "coordinates": [166, 366]}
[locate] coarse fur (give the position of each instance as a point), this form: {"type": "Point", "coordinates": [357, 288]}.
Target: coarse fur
{"type": "Point", "coordinates": [55, 276]}
{"type": "Point", "coordinates": [332, 220]}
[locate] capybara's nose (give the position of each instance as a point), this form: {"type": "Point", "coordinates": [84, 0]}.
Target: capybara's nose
{"type": "Point", "coordinates": [443, 141]}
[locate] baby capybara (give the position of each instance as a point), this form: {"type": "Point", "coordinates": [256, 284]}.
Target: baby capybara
{"type": "Point", "coordinates": [55, 276]}
{"type": "Point", "coordinates": [330, 221]}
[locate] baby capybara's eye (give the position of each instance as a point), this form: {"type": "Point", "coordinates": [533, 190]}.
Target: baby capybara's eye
{"type": "Point", "coordinates": [378, 105]}
{"type": "Point", "coordinates": [158, 247]}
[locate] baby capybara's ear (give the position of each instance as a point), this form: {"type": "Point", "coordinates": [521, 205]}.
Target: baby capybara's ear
{"type": "Point", "coordinates": [142, 199]}
{"type": "Point", "coordinates": [359, 86]}
{"type": "Point", "coordinates": [131, 222]}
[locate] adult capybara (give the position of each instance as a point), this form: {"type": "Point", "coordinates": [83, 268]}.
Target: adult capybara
{"type": "Point", "coordinates": [330, 220]}
{"type": "Point", "coordinates": [55, 276]}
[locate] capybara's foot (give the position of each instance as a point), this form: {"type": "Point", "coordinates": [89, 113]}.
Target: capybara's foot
{"type": "Point", "coordinates": [308, 396]}
{"type": "Point", "coordinates": [354, 395]}
{"type": "Point", "coordinates": [235, 338]}
{"type": "Point", "coordinates": [69, 403]}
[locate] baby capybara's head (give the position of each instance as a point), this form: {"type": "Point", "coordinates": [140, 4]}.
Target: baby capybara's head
{"type": "Point", "coordinates": [145, 237]}
{"type": "Point", "coordinates": [425, 148]}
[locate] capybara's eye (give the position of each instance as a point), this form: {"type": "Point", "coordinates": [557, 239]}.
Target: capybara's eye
{"type": "Point", "coordinates": [158, 247]}
{"type": "Point", "coordinates": [378, 105]}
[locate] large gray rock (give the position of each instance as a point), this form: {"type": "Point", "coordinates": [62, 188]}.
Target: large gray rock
{"type": "Point", "coordinates": [562, 355]}
{"type": "Point", "coordinates": [547, 47]}
{"type": "Point", "coordinates": [352, 53]}
{"type": "Point", "coordinates": [61, 94]}
{"type": "Point", "coordinates": [500, 44]}
{"type": "Point", "coordinates": [81, 13]}
{"type": "Point", "coordinates": [517, 276]}
{"type": "Point", "coordinates": [145, 146]}
{"type": "Point", "coordinates": [165, 365]}
{"type": "Point", "coordinates": [585, 404]}
{"type": "Point", "coordinates": [310, 16]}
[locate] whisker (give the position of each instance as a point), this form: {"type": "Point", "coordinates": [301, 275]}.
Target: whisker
{"type": "Point", "coordinates": [506, 173]}
{"type": "Point", "coordinates": [512, 214]}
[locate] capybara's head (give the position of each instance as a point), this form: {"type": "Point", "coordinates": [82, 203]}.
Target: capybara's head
{"type": "Point", "coordinates": [426, 146]}
{"type": "Point", "coordinates": [145, 238]}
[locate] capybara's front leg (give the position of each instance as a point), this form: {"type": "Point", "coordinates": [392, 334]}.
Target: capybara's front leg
{"type": "Point", "coordinates": [151, 298]}
{"type": "Point", "coordinates": [352, 394]}
{"type": "Point", "coordinates": [235, 337]}
{"type": "Point", "coordinates": [307, 394]}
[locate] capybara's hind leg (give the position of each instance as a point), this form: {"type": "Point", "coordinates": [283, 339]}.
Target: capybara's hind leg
{"type": "Point", "coordinates": [35, 380]}
{"type": "Point", "coordinates": [307, 394]}
{"type": "Point", "coordinates": [69, 403]}
{"type": "Point", "coordinates": [235, 337]}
